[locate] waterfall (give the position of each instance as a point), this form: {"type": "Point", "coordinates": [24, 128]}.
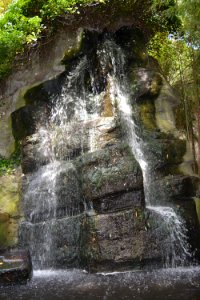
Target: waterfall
{"type": "Point", "coordinates": [72, 130]}
{"type": "Point", "coordinates": [52, 193]}
{"type": "Point", "coordinates": [176, 249]}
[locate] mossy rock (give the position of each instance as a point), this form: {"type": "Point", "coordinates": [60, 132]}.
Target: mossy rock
{"type": "Point", "coordinates": [147, 114]}
{"type": "Point", "coordinates": [197, 202]}
{"type": "Point", "coordinates": [9, 209]}
{"type": "Point", "coordinates": [9, 193]}
{"type": "Point", "coordinates": [15, 267]}
{"type": "Point", "coordinates": [8, 231]}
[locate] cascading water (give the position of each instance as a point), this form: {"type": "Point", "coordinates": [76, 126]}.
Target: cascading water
{"type": "Point", "coordinates": [46, 197]}
{"type": "Point", "coordinates": [53, 192]}
{"type": "Point", "coordinates": [176, 250]}
{"type": "Point", "coordinates": [71, 131]}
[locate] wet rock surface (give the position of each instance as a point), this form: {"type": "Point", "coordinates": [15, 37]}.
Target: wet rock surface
{"type": "Point", "coordinates": [83, 190]}
{"type": "Point", "coordinates": [46, 197]}
{"type": "Point", "coordinates": [15, 267]}
{"type": "Point", "coordinates": [110, 171]}
{"type": "Point", "coordinates": [10, 214]}
{"type": "Point", "coordinates": [64, 242]}
{"type": "Point", "coordinates": [124, 240]}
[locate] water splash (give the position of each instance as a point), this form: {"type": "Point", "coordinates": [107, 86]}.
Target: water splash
{"type": "Point", "coordinates": [176, 250]}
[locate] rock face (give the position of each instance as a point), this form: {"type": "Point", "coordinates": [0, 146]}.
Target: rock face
{"type": "Point", "coordinates": [84, 200]}
{"type": "Point", "coordinates": [9, 209]}
{"type": "Point", "coordinates": [127, 239]}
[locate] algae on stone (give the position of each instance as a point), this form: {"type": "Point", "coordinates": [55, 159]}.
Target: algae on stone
{"type": "Point", "coordinates": [9, 209]}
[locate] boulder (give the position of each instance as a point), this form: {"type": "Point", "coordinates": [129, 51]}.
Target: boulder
{"type": "Point", "coordinates": [124, 240]}
{"type": "Point", "coordinates": [15, 267]}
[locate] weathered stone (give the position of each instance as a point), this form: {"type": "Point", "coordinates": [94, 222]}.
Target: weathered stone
{"type": "Point", "coordinates": [9, 209]}
{"type": "Point", "coordinates": [108, 172]}
{"type": "Point", "coordinates": [27, 120]}
{"type": "Point", "coordinates": [156, 98]}
{"type": "Point", "coordinates": [165, 104]}
{"type": "Point", "coordinates": [121, 201]}
{"type": "Point", "coordinates": [165, 155]}
{"type": "Point", "coordinates": [133, 44]}
{"type": "Point", "coordinates": [197, 203]}
{"type": "Point", "coordinates": [123, 240]}
{"type": "Point", "coordinates": [173, 188]}
{"type": "Point", "coordinates": [116, 231]}
{"type": "Point", "coordinates": [147, 114]}
{"type": "Point", "coordinates": [80, 137]}
{"type": "Point", "coordinates": [187, 210]}
{"type": "Point", "coordinates": [46, 62]}
{"type": "Point", "coordinates": [15, 267]}
{"type": "Point", "coordinates": [44, 65]}
{"type": "Point", "coordinates": [97, 134]}
{"type": "Point", "coordinates": [146, 84]}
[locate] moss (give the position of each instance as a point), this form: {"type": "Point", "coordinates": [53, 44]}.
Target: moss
{"type": "Point", "coordinates": [9, 195]}
{"type": "Point", "coordinates": [7, 140]}
{"type": "Point", "coordinates": [9, 209]}
{"type": "Point", "coordinates": [8, 165]}
{"type": "Point", "coordinates": [8, 233]}
{"type": "Point", "coordinates": [147, 114]}
{"type": "Point", "coordinates": [3, 234]}
{"type": "Point", "coordinates": [197, 202]}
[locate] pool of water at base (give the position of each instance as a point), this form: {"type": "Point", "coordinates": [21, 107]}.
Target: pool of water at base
{"type": "Point", "coordinates": [164, 284]}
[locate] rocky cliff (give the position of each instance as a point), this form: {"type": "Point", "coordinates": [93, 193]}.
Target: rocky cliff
{"type": "Point", "coordinates": [83, 196]}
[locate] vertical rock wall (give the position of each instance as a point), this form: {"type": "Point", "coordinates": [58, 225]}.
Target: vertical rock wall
{"type": "Point", "coordinates": [112, 229]}
{"type": "Point", "coordinates": [99, 220]}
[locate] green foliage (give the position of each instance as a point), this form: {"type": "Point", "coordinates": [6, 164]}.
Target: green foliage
{"type": "Point", "coordinates": [4, 4]}
{"type": "Point", "coordinates": [172, 54]}
{"type": "Point", "coordinates": [165, 15]}
{"type": "Point", "coordinates": [189, 11]}
{"type": "Point", "coordinates": [15, 30]}
{"type": "Point", "coordinates": [179, 58]}
{"type": "Point", "coordinates": [8, 165]}
{"type": "Point", "coordinates": [24, 21]}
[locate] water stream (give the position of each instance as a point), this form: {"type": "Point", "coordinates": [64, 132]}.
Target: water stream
{"type": "Point", "coordinates": [76, 106]}
{"type": "Point", "coordinates": [176, 250]}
